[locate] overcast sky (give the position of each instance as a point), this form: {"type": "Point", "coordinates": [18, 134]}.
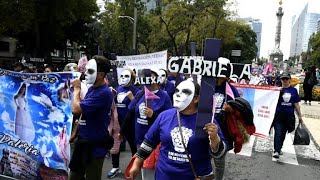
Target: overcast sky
{"type": "Point", "coordinates": [265, 10]}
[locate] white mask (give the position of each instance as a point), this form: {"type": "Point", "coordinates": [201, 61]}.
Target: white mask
{"type": "Point", "coordinates": [125, 78]}
{"type": "Point", "coordinates": [162, 76]}
{"type": "Point", "coordinates": [183, 95]}
{"type": "Point", "coordinates": [91, 72]}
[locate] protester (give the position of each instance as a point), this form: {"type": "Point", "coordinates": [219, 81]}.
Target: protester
{"type": "Point", "coordinates": [18, 67]}
{"type": "Point", "coordinates": [142, 113]}
{"type": "Point", "coordinates": [114, 129]}
{"type": "Point", "coordinates": [48, 69]}
{"type": "Point", "coordinates": [224, 91]}
{"type": "Point", "coordinates": [309, 82]}
{"type": "Point", "coordinates": [94, 139]}
{"type": "Point", "coordinates": [166, 85]}
{"type": "Point", "coordinates": [125, 94]}
{"type": "Point", "coordinates": [183, 155]}
{"type": "Point", "coordinates": [236, 123]}
{"type": "Point", "coordinates": [284, 120]}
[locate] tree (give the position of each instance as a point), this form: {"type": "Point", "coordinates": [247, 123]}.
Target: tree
{"type": "Point", "coordinates": [43, 25]}
{"type": "Point", "coordinates": [314, 50]}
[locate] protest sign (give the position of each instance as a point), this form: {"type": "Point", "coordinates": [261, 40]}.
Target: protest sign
{"type": "Point", "coordinates": [156, 60]}
{"type": "Point", "coordinates": [263, 100]}
{"type": "Point", "coordinates": [197, 66]}
{"type": "Point", "coordinates": [35, 124]}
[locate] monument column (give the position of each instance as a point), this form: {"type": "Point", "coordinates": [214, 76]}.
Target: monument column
{"type": "Point", "coordinates": [276, 55]}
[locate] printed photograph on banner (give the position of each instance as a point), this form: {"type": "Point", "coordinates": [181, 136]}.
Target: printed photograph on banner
{"type": "Point", "coordinates": [35, 124]}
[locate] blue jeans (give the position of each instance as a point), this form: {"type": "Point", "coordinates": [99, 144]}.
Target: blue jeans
{"type": "Point", "coordinates": [280, 130]}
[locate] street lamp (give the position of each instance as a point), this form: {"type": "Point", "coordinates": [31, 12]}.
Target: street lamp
{"type": "Point", "coordinates": [134, 21]}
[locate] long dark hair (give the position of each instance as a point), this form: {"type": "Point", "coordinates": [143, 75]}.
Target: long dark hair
{"type": "Point", "coordinates": [20, 90]}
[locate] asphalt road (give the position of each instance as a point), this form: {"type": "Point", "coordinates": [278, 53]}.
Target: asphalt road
{"type": "Point", "coordinates": [259, 165]}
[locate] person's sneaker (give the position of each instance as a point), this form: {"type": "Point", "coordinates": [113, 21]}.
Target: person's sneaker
{"type": "Point", "coordinates": [276, 155]}
{"type": "Point", "coordinates": [113, 172]}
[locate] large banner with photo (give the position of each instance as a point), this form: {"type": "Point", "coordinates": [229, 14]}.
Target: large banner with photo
{"type": "Point", "coordinates": [156, 60]}
{"type": "Point", "coordinates": [263, 100]}
{"type": "Point", "coordinates": [35, 124]}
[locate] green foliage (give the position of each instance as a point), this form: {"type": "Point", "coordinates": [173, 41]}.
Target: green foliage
{"type": "Point", "coordinates": [176, 23]}
{"type": "Point", "coordinates": [314, 42]}
{"type": "Point", "coordinates": [43, 25]}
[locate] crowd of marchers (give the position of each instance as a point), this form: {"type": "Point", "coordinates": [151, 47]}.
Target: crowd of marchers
{"type": "Point", "coordinates": [158, 121]}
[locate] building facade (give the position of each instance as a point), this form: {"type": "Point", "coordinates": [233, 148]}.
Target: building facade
{"type": "Point", "coordinates": [318, 27]}
{"type": "Point", "coordinates": [256, 26]}
{"type": "Point", "coordinates": [310, 27]}
{"type": "Point", "coordinates": [151, 4]}
{"type": "Point", "coordinates": [303, 26]}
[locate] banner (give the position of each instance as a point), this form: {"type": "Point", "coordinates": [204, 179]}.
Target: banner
{"type": "Point", "coordinates": [263, 100]}
{"type": "Point", "coordinates": [156, 60]}
{"type": "Point", "coordinates": [35, 124]}
{"type": "Point", "coordinates": [198, 66]}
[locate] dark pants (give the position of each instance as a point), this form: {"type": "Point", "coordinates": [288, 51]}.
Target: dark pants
{"type": "Point", "coordinates": [93, 171]}
{"type": "Point", "coordinates": [280, 130]}
{"type": "Point", "coordinates": [307, 89]}
{"type": "Point", "coordinates": [116, 157]}
{"type": "Point", "coordinates": [219, 166]}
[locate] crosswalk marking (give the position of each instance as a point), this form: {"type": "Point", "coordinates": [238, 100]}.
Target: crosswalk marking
{"type": "Point", "coordinates": [246, 148]}
{"type": "Point", "coordinates": [290, 152]}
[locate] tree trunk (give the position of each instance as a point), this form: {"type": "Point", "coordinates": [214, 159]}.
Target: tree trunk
{"type": "Point", "coordinates": [189, 33]}
{"type": "Point", "coordinates": [66, 52]}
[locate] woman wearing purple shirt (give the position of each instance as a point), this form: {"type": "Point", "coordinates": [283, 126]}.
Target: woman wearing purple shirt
{"type": "Point", "coordinates": [175, 130]}
{"type": "Point", "coordinates": [144, 113]}
{"type": "Point", "coordinates": [284, 120]}
{"type": "Point", "coordinates": [125, 94]}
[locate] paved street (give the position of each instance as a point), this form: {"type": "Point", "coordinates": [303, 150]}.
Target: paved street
{"type": "Point", "coordinates": [255, 160]}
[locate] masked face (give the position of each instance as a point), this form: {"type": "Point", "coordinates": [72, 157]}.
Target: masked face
{"type": "Point", "coordinates": [91, 72]}
{"type": "Point", "coordinates": [183, 95]}
{"type": "Point", "coordinates": [125, 78]}
{"type": "Point", "coordinates": [162, 76]}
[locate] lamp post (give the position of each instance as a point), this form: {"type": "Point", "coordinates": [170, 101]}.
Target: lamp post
{"type": "Point", "coordinates": [133, 20]}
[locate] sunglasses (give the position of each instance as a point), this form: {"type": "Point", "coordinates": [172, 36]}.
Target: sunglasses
{"type": "Point", "coordinates": [284, 78]}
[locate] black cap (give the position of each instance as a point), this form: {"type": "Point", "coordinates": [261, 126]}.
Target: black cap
{"type": "Point", "coordinates": [285, 75]}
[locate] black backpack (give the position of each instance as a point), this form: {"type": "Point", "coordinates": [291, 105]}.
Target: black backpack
{"type": "Point", "coordinates": [312, 80]}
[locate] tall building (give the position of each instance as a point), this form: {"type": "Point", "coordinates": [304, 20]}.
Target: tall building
{"type": "Point", "coordinates": [256, 26]}
{"type": "Point", "coordinates": [310, 27]}
{"type": "Point", "coordinates": [302, 27]}
{"type": "Point", "coordinates": [318, 28]}
{"type": "Point", "coordinates": [151, 4]}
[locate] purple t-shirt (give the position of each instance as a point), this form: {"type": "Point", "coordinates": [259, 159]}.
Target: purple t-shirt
{"type": "Point", "coordinates": [173, 161]}
{"type": "Point", "coordinates": [96, 108]}
{"type": "Point", "coordinates": [142, 124]}
{"type": "Point", "coordinates": [219, 95]}
{"type": "Point", "coordinates": [288, 97]}
{"type": "Point", "coordinates": [122, 101]}
{"type": "Point", "coordinates": [169, 88]}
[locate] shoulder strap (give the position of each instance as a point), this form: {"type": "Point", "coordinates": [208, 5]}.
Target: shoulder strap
{"type": "Point", "coordinates": [138, 97]}
{"type": "Point", "coordinates": [184, 146]}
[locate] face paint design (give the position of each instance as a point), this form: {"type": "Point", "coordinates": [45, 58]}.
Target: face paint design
{"type": "Point", "coordinates": [125, 78]}
{"type": "Point", "coordinates": [183, 95]}
{"type": "Point", "coordinates": [91, 72]}
{"type": "Point", "coordinates": [162, 76]}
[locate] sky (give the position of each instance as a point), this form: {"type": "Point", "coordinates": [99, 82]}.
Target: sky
{"type": "Point", "coordinates": [265, 10]}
